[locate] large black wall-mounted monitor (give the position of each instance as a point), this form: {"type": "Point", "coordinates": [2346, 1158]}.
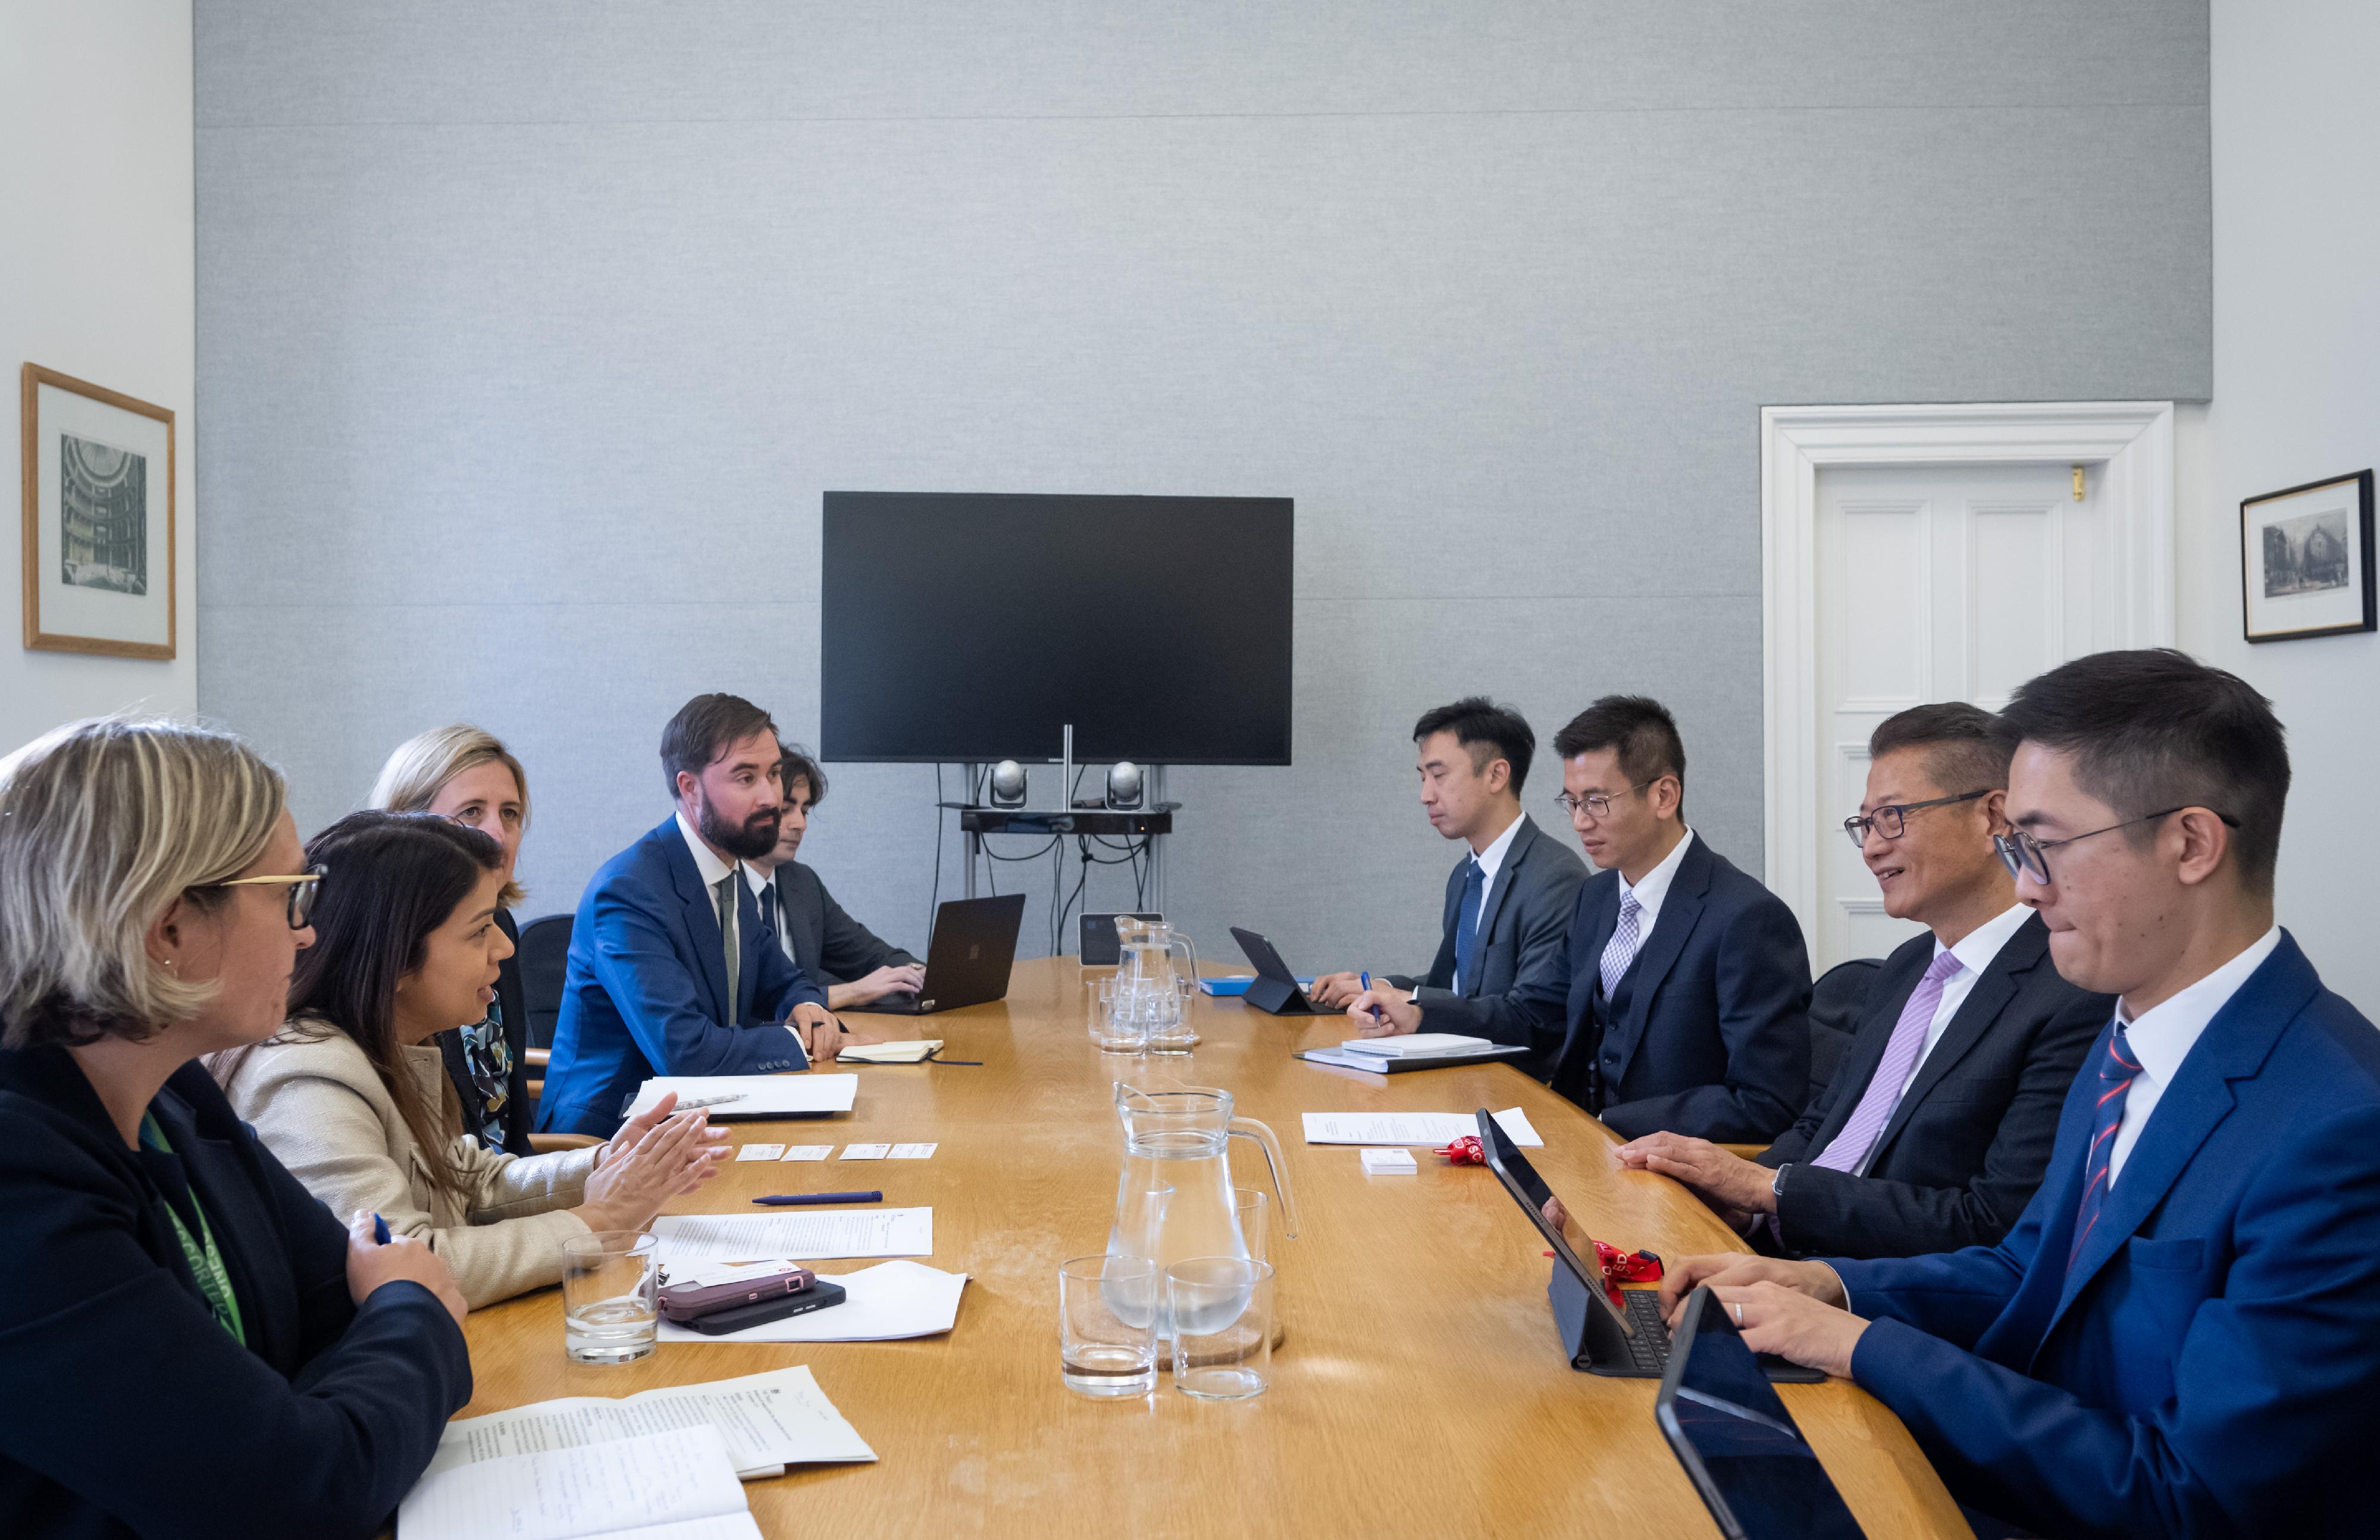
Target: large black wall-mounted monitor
{"type": "Point", "coordinates": [974, 626]}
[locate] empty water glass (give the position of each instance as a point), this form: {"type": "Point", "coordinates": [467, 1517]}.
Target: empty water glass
{"type": "Point", "coordinates": [1107, 1326]}
{"type": "Point", "coordinates": [1251, 1212]}
{"type": "Point", "coordinates": [610, 1282]}
{"type": "Point", "coordinates": [1222, 1308]}
{"type": "Point", "coordinates": [1115, 1030]}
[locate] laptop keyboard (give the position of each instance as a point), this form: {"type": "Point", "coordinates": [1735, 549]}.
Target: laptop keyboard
{"type": "Point", "coordinates": [1648, 1350]}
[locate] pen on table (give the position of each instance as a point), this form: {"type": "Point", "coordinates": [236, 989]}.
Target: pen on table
{"type": "Point", "coordinates": [380, 1230]}
{"type": "Point", "coordinates": [793, 1200]}
{"type": "Point", "coordinates": [692, 1102]}
{"type": "Point", "coordinates": [1367, 986]}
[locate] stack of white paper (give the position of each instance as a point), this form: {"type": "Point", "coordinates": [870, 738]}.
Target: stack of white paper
{"type": "Point", "coordinates": [761, 1095]}
{"type": "Point", "coordinates": [674, 1486]}
{"type": "Point", "coordinates": [799, 1237]}
{"type": "Point", "coordinates": [1417, 1045]}
{"type": "Point", "coordinates": [883, 1304]}
{"type": "Point", "coordinates": [1408, 1128]}
{"type": "Point", "coordinates": [769, 1422]}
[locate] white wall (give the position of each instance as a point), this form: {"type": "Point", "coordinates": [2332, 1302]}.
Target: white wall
{"type": "Point", "coordinates": [2296, 140]}
{"type": "Point", "coordinates": [96, 280]}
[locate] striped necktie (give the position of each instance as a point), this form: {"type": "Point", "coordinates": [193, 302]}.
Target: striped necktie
{"type": "Point", "coordinates": [727, 891]}
{"type": "Point", "coordinates": [1620, 949]}
{"type": "Point", "coordinates": [1848, 1148]}
{"type": "Point", "coordinates": [2117, 1068]}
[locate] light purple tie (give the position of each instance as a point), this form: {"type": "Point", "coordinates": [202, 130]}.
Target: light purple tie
{"type": "Point", "coordinates": [1849, 1147]}
{"type": "Point", "coordinates": [1621, 948]}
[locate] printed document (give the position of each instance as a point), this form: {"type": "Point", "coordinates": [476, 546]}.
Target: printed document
{"type": "Point", "coordinates": [1405, 1128]}
{"type": "Point", "coordinates": [673, 1485]}
{"type": "Point", "coordinates": [763, 1096]}
{"type": "Point", "coordinates": [797, 1237]}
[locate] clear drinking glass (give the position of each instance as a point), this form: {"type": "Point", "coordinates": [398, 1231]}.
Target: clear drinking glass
{"type": "Point", "coordinates": [1107, 1326]}
{"type": "Point", "coordinates": [1222, 1325]}
{"type": "Point", "coordinates": [1114, 1031]}
{"type": "Point", "coordinates": [1176, 1033]}
{"type": "Point", "coordinates": [610, 1280]}
{"type": "Point", "coordinates": [1252, 1211]}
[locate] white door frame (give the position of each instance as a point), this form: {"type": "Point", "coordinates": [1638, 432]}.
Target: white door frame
{"type": "Point", "coordinates": [2126, 446]}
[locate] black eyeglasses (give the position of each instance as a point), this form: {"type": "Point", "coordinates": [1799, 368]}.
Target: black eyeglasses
{"type": "Point", "coordinates": [1597, 803]}
{"type": "Point", "coordinates": [2026, 856]}
{"type": "Point", "coordinates": [303, 891]}
{"type": "Point", "coordinates": [1892, 819]}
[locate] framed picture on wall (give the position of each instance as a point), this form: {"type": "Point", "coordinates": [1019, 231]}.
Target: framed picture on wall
{"type": "Point", "coordinates": [99, 519]}
{"type": "Point", "coordinates": [2305, 559]}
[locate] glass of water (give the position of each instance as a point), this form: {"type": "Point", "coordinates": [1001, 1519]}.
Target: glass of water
{"type": "Point", "coordinates": [1107, 1326]}
{"type": "Point", "coordinates": [1114, 1029]}
{"type": "Point", "coordinates": [610, 1280]}
{"type": "Point", "coordinates": [1222, 1308]}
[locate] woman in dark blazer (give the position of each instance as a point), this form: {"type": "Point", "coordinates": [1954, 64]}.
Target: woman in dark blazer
{"type": "Point", "coordinates": [191, 1345]}
{"type": "Point", "coordinates": [467, 775]}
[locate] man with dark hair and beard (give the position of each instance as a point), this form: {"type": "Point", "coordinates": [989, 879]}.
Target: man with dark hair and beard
{"type": "Point", "coordinates": [673, 967]}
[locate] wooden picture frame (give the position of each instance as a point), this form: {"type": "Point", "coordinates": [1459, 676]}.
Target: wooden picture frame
{"type": "Point", "coordinates": [93, 495]}
{"type": "Point", "coordinates": [2305, 561]}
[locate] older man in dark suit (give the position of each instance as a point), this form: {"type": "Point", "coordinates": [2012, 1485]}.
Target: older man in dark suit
{"type": "Point", "coordinates": [1689, 986]}
{"type": "Point", "coordinates": [1934, 1131]}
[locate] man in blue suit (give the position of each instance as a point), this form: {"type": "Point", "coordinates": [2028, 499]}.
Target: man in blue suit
{"type": "Point", "coordinates": [673, 969]}
{"type": "Point", "coordinates": [2182, 1336]}
{"type": "Point", "coordinates": [1689, 995]}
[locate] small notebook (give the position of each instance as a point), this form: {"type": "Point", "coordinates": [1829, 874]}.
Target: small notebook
{"type": "Point", "coordinates": [889, 1053]}
{"type": "Point", "coordinates": [1418, 1045]}
{"type": "Point", "coordinates": [674, 1486]}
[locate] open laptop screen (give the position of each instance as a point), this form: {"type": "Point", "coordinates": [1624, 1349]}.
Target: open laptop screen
{"type": "Point", "coordinates": [1757, 1476]}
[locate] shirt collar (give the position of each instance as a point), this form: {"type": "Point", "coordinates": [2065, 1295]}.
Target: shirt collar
{"type": "Point", "coordinates": [2163, 1036]}
{"type": "Point", "coordinates": [1492, 859]}
{"type": "Point", "coordinates": [1655, 886]}
{"type": "Point", "coordinates": [757, 880]}
{"type": "Point", "coordinates": [1978, 947]}
{"type": "Point", "coordinates": [706, 863]}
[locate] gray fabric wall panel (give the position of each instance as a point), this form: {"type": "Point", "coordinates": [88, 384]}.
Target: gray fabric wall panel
{"type": "Point", "coordinates": [528, 337]}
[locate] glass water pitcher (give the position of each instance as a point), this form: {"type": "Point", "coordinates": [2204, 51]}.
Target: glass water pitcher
{"type": "Point", "coordinates": [1156, 971]}
{"type": "Point", "coordinates": [1173, 1199]}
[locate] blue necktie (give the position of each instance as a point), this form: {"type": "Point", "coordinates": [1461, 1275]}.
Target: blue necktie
{"type": "Point", "coordinates": [767, 898]}
{"type": "Point", "coordinates": [1466, 922]}
{"type": "Point", "coordinates": [2116, 1071]}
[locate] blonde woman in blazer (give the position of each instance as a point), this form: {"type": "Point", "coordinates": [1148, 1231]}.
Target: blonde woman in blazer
{"type": "Point", "coordinates": [353, 1096]}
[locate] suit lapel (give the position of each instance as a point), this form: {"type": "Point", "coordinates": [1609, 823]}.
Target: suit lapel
{"type": "Point", "coordinates": [1990, 996]}
{"type": "Point", "coordinates": [795, 917]}
{"type": "Point", "coordinates": [2233, 1046]}
{"type": "Point", "coordinates": [702, 916]}
{"type": "Point", "coordinates": [1506, 875]}
{"type": "Point", "coordinates": [1659, 953]}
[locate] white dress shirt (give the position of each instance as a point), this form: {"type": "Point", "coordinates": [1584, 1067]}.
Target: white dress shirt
{"type": "Point", "coordinates": [708, 865]}
{"type": "Point", "coordinates": [1654, 889]}
{"type": "Point", "coordinates": [2163, 1036]}
{"type": "Point", "coordinates": [764, 891]}
{"type": "Point", "coordinates": [1491, 861]}
{"type": "Point", "coordinates": [1975, 952]}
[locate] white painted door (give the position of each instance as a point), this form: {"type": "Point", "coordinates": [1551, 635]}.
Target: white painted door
{"type": "Point", "coordinates": [1936, 583]}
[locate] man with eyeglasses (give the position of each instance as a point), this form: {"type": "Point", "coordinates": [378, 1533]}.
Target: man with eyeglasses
{"type": "Point", "coordinates": [1498, 972]}
{"type": "Point", "coordinates": [1689, 986]}
{"type": "Point", "coordinates": [2181, 1335]}
{"type": "Point", "coordinates": [1936, 1128]}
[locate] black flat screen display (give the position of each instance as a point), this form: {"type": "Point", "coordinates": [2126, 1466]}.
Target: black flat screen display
{"type": "Point", "coordinates": [974, 626]}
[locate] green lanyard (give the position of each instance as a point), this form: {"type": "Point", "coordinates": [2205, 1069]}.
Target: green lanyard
{"type": "Point", "coordinates": [206, 1262]}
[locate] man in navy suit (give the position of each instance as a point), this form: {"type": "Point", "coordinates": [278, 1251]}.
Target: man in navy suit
{"type": "Point", "coordinates": [2182, 1336]}
{"type": "Point", "coordinates": [1934, 1131]}
{"type": "Point", "coordinates": [1689, 985]}
{"type": "Point", "coordinates": [1499, 972]}
{"type": "Point", "coordinates": [673, 969]}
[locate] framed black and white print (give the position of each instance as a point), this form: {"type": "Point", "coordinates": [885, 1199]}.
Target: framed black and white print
{"type": "Point", "coordinates": [2305, 561]}
{"type": "Point", "coordinates": [99, 519]}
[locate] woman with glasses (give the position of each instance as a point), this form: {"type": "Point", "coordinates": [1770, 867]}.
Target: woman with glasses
{"type": "Point", "coordinates": [353, 1096]}
{"type": "Point", "coordinates": [191, 1344]}
{"type": "Point", "coordinates": [465, 774]}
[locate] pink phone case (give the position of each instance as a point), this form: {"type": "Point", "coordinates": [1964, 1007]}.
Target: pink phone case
{"type": "Point", "coordinates": [690, 1302]}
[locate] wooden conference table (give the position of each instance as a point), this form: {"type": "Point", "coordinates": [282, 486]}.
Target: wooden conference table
{"type": "Point", "coordinates": [1421, 1390]}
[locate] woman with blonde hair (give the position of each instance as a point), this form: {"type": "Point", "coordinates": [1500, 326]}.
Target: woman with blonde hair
{"type": "Point", "coordinates": [352, 1098]}
{"type": "Point", "coordinates": [467, 775]}
{"type": "Point", "coordinates": [193, 1344]}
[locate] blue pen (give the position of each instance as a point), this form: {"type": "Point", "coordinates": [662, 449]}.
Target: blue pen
{"type": "Point", "coordinates": [380, 1230]}
{"type": "Point", "coordinates": [1376, 1013]}
{"type": "Point", "coordinates": [787, 1200]}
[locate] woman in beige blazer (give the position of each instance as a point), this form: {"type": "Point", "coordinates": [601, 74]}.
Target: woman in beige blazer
{"type": "Point", "coordinates": [353, 1096]}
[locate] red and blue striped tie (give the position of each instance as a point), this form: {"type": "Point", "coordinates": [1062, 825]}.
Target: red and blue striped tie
{"type": "Point", "coordinates": [2116, 1072]}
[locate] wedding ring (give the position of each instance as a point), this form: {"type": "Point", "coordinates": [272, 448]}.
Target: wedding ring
{"type": "Point", "coordinates": [1739, 1312]}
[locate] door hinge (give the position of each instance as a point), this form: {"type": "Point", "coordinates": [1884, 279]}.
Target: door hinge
{"type": "Point", "coordinates": [2078, 483]}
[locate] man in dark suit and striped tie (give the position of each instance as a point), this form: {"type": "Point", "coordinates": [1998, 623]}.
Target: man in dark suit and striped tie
{"type": "Point", "coordinates": [1936, 1126]}
{"type": "Point", "coordinates": [2181, 1335]}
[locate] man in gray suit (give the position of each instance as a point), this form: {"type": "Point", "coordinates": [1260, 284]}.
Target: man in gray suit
{"type": "Point", "coordinates": [810, 928]}
{"type": "Point", "coordinates": [1501, 970]}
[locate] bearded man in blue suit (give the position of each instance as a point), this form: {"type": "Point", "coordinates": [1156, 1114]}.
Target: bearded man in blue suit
{"type": "Point", "coordinates": [2182, 1336]}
